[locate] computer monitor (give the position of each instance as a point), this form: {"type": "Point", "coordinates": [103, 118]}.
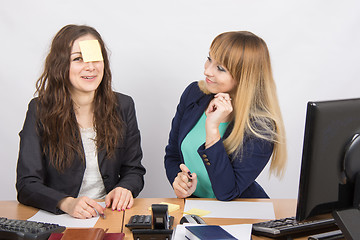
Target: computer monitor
{"type": "Point", "coordinates": [327, 183]}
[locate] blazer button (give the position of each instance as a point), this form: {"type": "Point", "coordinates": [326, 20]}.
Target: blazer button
{"type": "Point", "coordinates": [204, 156]}
{"type": "Point", "coordinates": [105, 177]}
{"type": "Point", "coordinates": [207, 163]}
{"type": "Point", "coordinates": [206, 160]}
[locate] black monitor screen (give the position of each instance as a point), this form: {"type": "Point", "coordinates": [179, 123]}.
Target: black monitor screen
{"type": "Point", "coordinates": [329, 129]}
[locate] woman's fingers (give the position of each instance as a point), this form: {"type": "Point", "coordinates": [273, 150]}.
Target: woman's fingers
{"type": "Point", "coordinates": [179, 191]}
{"type": "Point", "coordinates": [180, 185]}
{"type": "Point", "coordinates": [223, 96]}
{"type": "Point", "coordinates": [184, 168]}
{"type": "Point", "coordinates": [94, 207]}
{"type": "Point", "coordinates": [124, 199]}
{"type": "Point", "coordinates": [218, 110]}
{"type": "Point", "coordinates": [221, 104]}
{"type": "Point", "coordinates": [119, 199]}
{"type": "Point", "coordinates": [82, 207]}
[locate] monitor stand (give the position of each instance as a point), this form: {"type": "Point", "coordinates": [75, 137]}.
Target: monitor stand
{"type": "Point", "coordinates": [348, 223]}
{"type": "Point", "coordinates": [348, 220]}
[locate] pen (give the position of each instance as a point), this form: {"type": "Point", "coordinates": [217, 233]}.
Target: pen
{"type": "Point", "coordinates": [189, 176]}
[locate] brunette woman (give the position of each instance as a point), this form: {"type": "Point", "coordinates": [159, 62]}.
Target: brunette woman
{"type": "Point", "coordinates": [80, 140]}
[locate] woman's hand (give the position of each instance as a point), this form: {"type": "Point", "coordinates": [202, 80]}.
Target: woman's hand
{"type": "Point", "coordinates": [119, 199]}
{"type": "Point", "coordinates": [82, 207]}
{"type": "Point", "coordinates": [219, 110]}
{"type": "Point", "coordinates": [185, 182]}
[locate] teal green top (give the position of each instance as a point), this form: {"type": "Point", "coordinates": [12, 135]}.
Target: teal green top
{"type": "Point", "coordinates": [193, 140]}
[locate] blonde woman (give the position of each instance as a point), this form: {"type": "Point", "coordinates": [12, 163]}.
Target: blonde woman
{"type": "Point", "coordinates": [228, 126]}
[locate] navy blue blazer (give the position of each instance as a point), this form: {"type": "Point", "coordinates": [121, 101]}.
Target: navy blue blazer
{"type": "Point", "coordinates": [231, 176]}
{"type": "Point", "coordinates": [40, 185]}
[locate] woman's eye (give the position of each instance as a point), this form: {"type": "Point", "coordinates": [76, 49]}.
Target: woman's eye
{"type": "Point", "coordinates": [209, 59]}
{"type": "Point", "coordinates": [220, 68]}
{"type": "Point", "coordinates": [77, 59]}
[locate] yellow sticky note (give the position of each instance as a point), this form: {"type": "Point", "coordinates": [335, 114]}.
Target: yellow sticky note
{"type": "Point", "coordinates": [90, 50]}
{"type": "Point", "coordinates": [171, 206]}
{"type": "Point", "coordinates": [198, 212]}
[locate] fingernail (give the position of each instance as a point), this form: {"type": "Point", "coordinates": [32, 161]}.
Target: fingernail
{"type": "Point", "coordinates": [119, 210]}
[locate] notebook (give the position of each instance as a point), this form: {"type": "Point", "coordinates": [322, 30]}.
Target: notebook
{"type": "Point", "coordinates": [207, 232]}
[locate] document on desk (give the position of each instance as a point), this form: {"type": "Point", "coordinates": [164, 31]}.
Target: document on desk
{"type": "Point", "coordinates": [232, 209]}
{"type": "Point", "coordinates": [65, 219]}
{"type": "Point", "coordinates": [240, 231]}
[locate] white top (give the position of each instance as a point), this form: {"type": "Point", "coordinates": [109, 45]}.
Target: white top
{"type": "Point", "coordinates": [92, 185]}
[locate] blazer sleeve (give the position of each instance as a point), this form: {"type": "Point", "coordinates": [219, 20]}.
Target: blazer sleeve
{"type": "Point", "coordinates": [236, 178]}
{"type": "Point", "coordinates": [173, 157]}
{"type": "Point", "coordinates": [31, 168]}
{"type": "Point", "coordinates": [131, 171]}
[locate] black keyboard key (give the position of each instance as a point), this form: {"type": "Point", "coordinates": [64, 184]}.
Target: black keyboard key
{"type": "Point", "coordinates": [148, 219]}
{"type": "Point", "coordinates": [135, 219]}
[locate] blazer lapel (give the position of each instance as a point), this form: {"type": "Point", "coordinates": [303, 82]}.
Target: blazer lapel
{"type": "Point", "coordinates": [192, 115]}
{"type": "Point", "coordinates": [101, 156]}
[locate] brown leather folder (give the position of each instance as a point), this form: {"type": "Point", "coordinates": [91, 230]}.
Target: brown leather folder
{"type": "Point", "coordinates": [83, 234]}
{"type": "Point", "coordinates": [107, 236]}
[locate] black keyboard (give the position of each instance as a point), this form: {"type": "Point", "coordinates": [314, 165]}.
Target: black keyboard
{"type": "Point", "coordinates": [289, 226]}
{"type": "Point", "coordinates": [26, 230]}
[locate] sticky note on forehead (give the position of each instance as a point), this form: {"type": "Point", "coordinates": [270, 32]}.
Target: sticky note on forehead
{"type": "Point", "coordinates": [90, 50]}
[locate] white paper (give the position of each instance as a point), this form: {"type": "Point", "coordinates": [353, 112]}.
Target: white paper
{"type": "Point", "coordinates": [239, 231]}
{"type": "Point", "coordinates": [179, 231]}
{"type": "Point", "coordinates": [65, 219]}
{"type": "Point", "coordinates": [233, 209]}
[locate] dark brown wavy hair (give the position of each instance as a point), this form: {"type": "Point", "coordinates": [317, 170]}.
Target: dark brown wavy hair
{"type": "Point", "coordinates": [58, 127]}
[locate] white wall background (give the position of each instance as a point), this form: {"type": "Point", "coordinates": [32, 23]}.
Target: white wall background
{"type": "Point", "coordinates": [158, 47]}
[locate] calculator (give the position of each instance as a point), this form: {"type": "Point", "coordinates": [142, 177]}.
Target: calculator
{"type": "Point", "coordinates": [143, 222]}
{"type": "Point", "coordinates": [139, 222]}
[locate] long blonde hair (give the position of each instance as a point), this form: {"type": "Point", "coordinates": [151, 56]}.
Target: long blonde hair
{"type": "Point", "coordinates": [256, 107]}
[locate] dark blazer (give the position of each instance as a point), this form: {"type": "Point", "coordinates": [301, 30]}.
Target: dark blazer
{"type": "Point", "coordinates": [231, 176]}
{"type": "Point", "coordinates": [40, 185]}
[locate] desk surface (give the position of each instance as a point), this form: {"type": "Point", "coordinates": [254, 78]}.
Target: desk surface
{"type": "Point", "coordinates": [114, 220]}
